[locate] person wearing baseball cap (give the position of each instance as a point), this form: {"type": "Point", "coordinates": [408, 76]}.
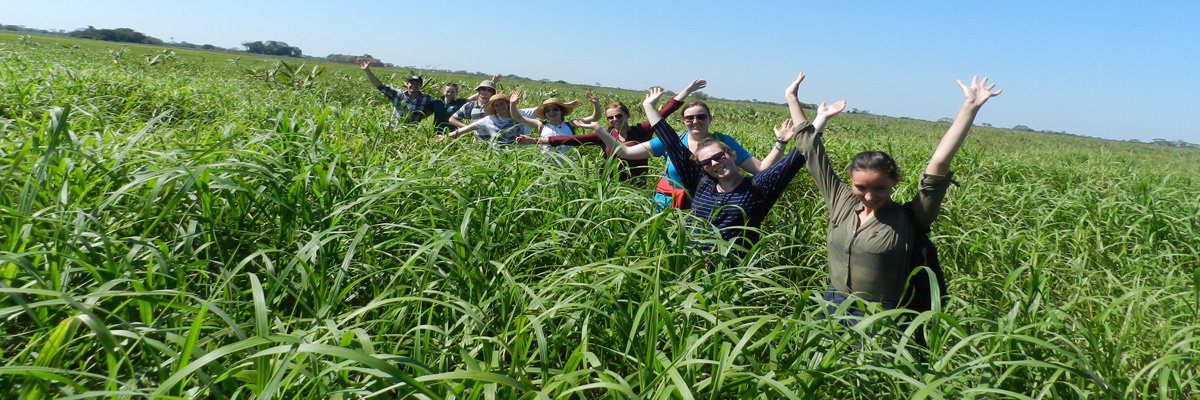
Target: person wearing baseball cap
{"type": "Point", "coordinates": [411, 106]}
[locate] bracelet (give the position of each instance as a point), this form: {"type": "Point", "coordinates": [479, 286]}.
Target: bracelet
{"type": "Point", "coordinates": [781, 142]}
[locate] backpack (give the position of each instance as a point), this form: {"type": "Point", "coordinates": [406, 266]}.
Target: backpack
{"type": "Point", "coordinates": [917, 296]}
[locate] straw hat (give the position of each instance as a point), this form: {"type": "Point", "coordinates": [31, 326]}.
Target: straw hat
{"type": "Point", "coordinates": [540, 112]}
{"type": "Point", "coordinates": [490, 107]}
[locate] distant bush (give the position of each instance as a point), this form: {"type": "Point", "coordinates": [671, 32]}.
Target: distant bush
{"type": "Point", "coordinates": [273, 48]}
{"type": "Point", "coordinates": [125, 35]}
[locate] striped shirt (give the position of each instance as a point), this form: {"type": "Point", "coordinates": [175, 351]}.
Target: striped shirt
{"type": "Point", "coordinates": [736, 214]}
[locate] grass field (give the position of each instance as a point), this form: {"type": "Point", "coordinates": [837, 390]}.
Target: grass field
{"type": "Point", "coordinates": [186, 224]}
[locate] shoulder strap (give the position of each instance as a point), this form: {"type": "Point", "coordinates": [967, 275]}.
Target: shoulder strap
{"type": "Point", "coordinates": [912, 219]}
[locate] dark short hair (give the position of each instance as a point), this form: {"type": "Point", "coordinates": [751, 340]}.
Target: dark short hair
{"type": "Point", "coordinates": [695, 104]}
{"type": "Point", "coordinates": [876, 161]}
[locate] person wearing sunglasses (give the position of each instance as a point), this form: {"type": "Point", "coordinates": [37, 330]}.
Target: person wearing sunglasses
{"type": "Point", "coordinates": [551, 119]}
{"type": "Point", "coordinates": [870, 235]}
{"type": "Point", "coordinates": [734, 204]}
{"type": "Point", "coordinates": [696, 117]}
{"type": "Point", "coordinates": [619, 132]}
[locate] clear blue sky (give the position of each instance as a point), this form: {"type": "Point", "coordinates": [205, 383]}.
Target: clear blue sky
{"type": "Point", "coordinates": [1116, 70]}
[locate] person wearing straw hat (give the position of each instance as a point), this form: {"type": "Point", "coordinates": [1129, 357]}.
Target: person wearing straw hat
{"type": "Point", "coordinates": [497, 127]}
{"type": "Point", "coordinates": [473, 110]}
{"type": "Point", "coordinates": [554, 113]}
{"type": "Point", "coordinates": [411, 106]}
{"type": "Point", "coordinates": [619, 132]}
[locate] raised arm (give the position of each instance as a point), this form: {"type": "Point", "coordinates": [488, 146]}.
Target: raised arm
{"type": "Point", "coordinates": [595, 117]}
{"type": "Point", "coordinates": [808, 143]}
{"type": "Point", "coordinates": [783, 135]}
{"type": "Point", "coordinates": [366, 67]}
{"type": "Point", "coordinates": [825, 112]}
{"type": "Point", "coordinates": [775, 178]}
{"type": "Point", "coordinates": [974, 95]}
{"type": "Point", "coordinates": [650, 104]}
{"type": "Point", "coordinates": [692, 87]}
{"type": "Point", "coordinates": [515, 114]}
{"type": "Point", "coordinates": [793, 102]}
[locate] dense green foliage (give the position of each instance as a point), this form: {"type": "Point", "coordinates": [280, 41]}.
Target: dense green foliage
{"type": "Point", "coordinates": [114, 35]}
{"type": "Point", "coordinates": [187, 229]}
{"type": "Point", "coordinates": [272, 48]}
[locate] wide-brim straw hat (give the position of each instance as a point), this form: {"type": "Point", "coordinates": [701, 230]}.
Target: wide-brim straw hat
{"type": "Point", "coordinates": [490, 107]}
{"type": "Point", "coordinates": [540, 112]}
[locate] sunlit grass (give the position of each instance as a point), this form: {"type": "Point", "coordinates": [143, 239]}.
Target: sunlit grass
{"type": "Point", "coordinates": [183, 229]}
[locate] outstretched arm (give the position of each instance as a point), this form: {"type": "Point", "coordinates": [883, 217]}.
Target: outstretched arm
{"type": "Point", "coordinates": [974, 95]}
{"type": "Point", "coordinates": [692, 87]}
{"type": "Point", "coordinates": [825, 112]}
{"type": "Point", "coordinates": [515, 114]}
{"type": "Point", "coordinates": [650, 104]}
{"type": "Point", "coordinates": [640, 151]}
{"type": "Point", "coordinates": [366, 67]}
{"type": "Point", "coordinates": [595, 117]}
{"type": "Point", "coordinates": [793, 102]}
{"type": "Point", "coordinates": [783, 135]}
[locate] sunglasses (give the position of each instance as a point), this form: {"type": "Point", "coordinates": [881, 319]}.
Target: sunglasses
{"type": "Point", "coordinates": [715, 159]}
{"type": "Point", "coordinates": [614, 117]}
{"type": "Point", "coordinates": [697, 117]}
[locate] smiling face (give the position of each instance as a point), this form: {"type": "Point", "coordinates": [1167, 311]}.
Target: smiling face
{"type": "Point", "coordinates": [616, 117]}
{"type": "Point", "coordinates": [450, 92]}
{"type": "Point", "coordinates": [872, 188]}
{"type": "Point", "coordinates": [717, 162]}
{"type": "Point", "coordinates": [501, 108]}
{"type": "Point", "coordinates": [696, 118]}
{"type": "Point", "coordinates": [554, 114]}
{"type": "Point", "coordinates": [485, 93]}
{"type": "Point", "coordinates": [413, 85]}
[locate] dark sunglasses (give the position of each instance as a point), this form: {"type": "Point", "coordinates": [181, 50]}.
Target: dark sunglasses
{"type": "Point", "coordinates": [612, 117]}
{"type": "Point", "coordinates": [715, 159]}
{"type": "Point", "coordinates": [697, 117]}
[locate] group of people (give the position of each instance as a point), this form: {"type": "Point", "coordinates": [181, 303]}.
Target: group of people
{"type": "Point", "coordinates": [870, 237]}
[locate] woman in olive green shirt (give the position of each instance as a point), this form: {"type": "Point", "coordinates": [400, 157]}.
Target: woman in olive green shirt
{"type": "Point", "coordinates": [870, 235]}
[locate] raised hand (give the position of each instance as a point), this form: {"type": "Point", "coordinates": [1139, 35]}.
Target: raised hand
{"type": "Point", "coordinates": [653, 95]}
{"type": "Point", "coordinates": [592, 98]}
{"type": "Point", "coordinates": [978, 92]}
{"type": "Point", "coordinates": [829, 110]}
{"type": "Point", "coordinates": [696, 85]}
{"type": "Point", "coordinates": [365, 64]}
{"type": "Point", "coordinates": [573, 103]}
{"type": "Point", "coordinates": [783, 132]}
{"type": "Point", "coordinates": [514, 97]}
{"type": "Point", "coordinates": [794, 86]}
{"type": "Point", "coordinates": [496, 77]}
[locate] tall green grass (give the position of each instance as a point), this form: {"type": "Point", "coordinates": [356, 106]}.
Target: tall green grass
{"type": "Point", "coordinates": [182, 229]}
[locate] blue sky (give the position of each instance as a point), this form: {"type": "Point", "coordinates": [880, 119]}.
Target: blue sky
{"type": "Point", "coordinates": [1116, 70]}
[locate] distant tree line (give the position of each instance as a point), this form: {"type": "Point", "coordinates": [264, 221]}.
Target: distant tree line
{"type": "Point", "coordinates": [272, 48]}
{"type": "Point", "coordinates": [22, 28]}
{"type": "Point", "coordinates": [125, 35]}
{"type": "Point", "coordinates": [187, 45]}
